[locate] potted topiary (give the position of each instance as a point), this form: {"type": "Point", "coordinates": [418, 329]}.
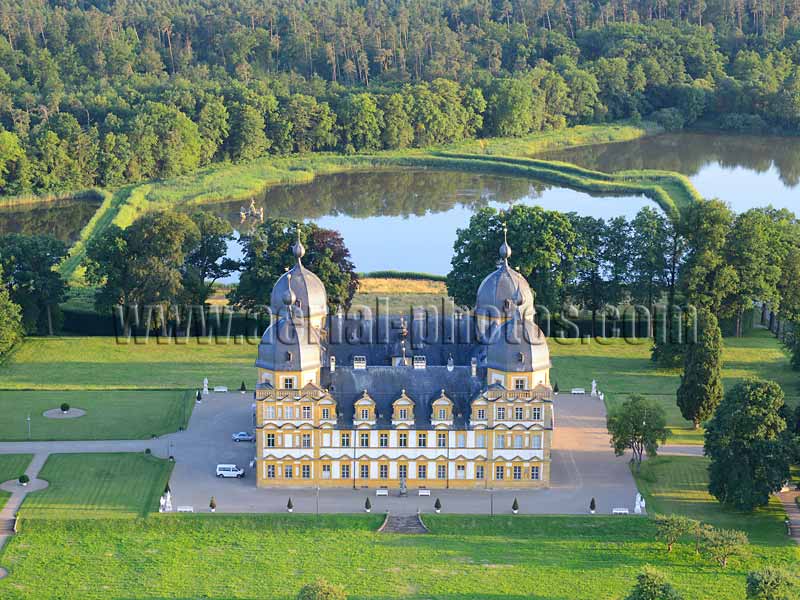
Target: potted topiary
{"type": "Point", "coordinates": [64, 407]}
{"type": "Point", "coordinates": [367, 505]}
{"type": "Point", "coordinates": [555, 388]}
{"type": "Point", "coordinates": [592, 506]}
{"type": "Point", "coordinates": [213, 504]}
{"type": "Point", "coordinates": [243, 388]}
{"type": "Point", "coordinates": [23, 480]}
{"type": "Point", "coordinates": [515, 507]}
{"type": "Point", "coordinates": [289, 506]}
{"type": "Point", "coordinates": [437, 506]}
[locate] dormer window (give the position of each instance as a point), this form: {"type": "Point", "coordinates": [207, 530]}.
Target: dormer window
{"type": "Point", "coordinates": [420, 362]}
{"type": "Point", "coordinates": [442, 414]}
{"type": "Point", "coordinates": [364, 414]}
{"type": "Point", "coordinates": [403, 412]}
{"type": "Point", "coordinates": [359, 362]}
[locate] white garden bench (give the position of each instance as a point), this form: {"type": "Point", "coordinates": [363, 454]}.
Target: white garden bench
{"type": "Point", "coordinates": [424, 492]}
{"type": "Point", "coordinates": [620, 511]}
{"type": "Point", "coordinates": [382, 492]}
{"type": "Point", "coordinates": [186, 509]}
{"type": "Point", "coordinates": [579, 391]}
{"type": "Point", "coordinates": [220, 388]}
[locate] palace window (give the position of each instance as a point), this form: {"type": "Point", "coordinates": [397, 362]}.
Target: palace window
{"type": "Point", "coordinates": [270, 440]}
{"type": "Point", "coordinates": [403, 412]}
{"type": "Point", "coordinates": [517, 472]}
{"type": "Point", "coordinates": [288, 471]}
{"type": "Point", "coordinates": [441, 471]}
{"type": "Point", "coordinates": [535, 473]}
{"type": "Point", "coordinates": [270, 412]}
{"type": "Point", "coordinates": [536, 442]}
{"type": "Point", "coordinates": [481, 414]}
{"type": "Point", "coordinates": [499, 472]}
{"type": "Point", "coordinates": [288, 383]}
{"type": "Point", "coordinates": [403, 471]}
{"type": "Point", "coordinates": [501, 441]}
{"type": "Point", "coordinates": [517, 441]}
{"type": "Point", "coordinates": [289, 412]}
{"type": "Point", "coordinates": [345, 440]}
{"type": "Point", "coordinates": [441, 440]}
{"type": "Point", "coordinates": [384, 440]}
{"type": "Point", "coordinates": [364, 414]}
{"type": "Point", "coordinates": [384, 471]}
{"type": "Point", "coordinates": [326, 413]}
{"type": "Point", "coordinates": [479, 472]}
{"type": "Point", "coordinates": [306, 412]}
{"type": "Point", "coordinates": [536, 413]}
{"type": "Point", "coordinates": [442, 414]}
{"type": "Point", "coordinates": [480, 441]}
{"type": "Point", "coordinates": [306, 470]}
{"type": "Point", "coordinates": [519, 383]}
{"type": "Point", "coordinates": [461, 472]}
{"type": "Point", "coordinates": [306, 440]}
{"type": "Point", "coordinates": [365, 471]}
{"type": "Point", "coordinates": [403, 440]}
{"type": "Point", "coordinates": [326, 471]}
{"type": "Point", "coordinates": [363, 440]}
{"type": "Point", "coordinates": [345, 471]}
{"type": "Point", "coordinates": [519, 413]}
{"type": "Point", "coordinates": [270, 471]}
{"type": "Point", "coordinates": [461, 440]}
{"type": "Point", "coordinates": [422, 440]}
{"type": "Point", "coordinates": [501, 412]}
{"type": "Point", "coordinates": [422, 471]}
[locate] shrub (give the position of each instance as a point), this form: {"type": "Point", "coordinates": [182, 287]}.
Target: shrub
{"type": "Point", "coordinates": [652, 585]}
{"type": "Point", "coordinates": [321, 590]}
{"type": "Point", "coordinates": [592, 505]}
{"type": "Point", "coordinates": [515, 506]}
{"type": "Point", "coordinates": [438, 504]}
{"type": "Point", "coordinates": [768, 583]}
{"type": "Point", "coordinates": [24, 479]}
{"type": "Point", "coordinates": [555, 388]}
{"type": "Point", "coordinates": [64, 407]}
{"type": "Point", "coordinates": [147, 450]}
{"type": "Point", "coordinates": [243, 387]}
{"type": "Point", "coordinates": [213, 504]}
{"type": "Point", "coordinates": [289, 505]}
{"type": "Point", "coordinates": [367, 504]}
{"type": "Point", "coordinates": [670, 119]}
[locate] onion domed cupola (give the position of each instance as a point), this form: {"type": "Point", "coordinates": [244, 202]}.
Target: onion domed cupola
{"type": "Point", "coordinates": [518, 346]}
{"type": "Point", "coordinates": [505, 291]}
{"type": "Point", "coordinates": [305, 289]}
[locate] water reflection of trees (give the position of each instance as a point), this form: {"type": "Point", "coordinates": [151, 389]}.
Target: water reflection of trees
{"type": "Point", "coordinates": [687, 153]}
{"type": "Point", "coordinates": [385, 193]}
{"type": "Point", "coordinates": [61, 219]}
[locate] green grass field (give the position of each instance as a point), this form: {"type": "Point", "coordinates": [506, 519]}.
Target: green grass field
{"type": "Point", "coordinates": [11, 467]}
{"type": "Point", "coordinates": [98, 486]}
{"type": "Point", "coordinates": [110, 415]}
{"type": "Point", "coordinates": [623, 368]}
{"type": "Point", "coordinates": [100, 363]}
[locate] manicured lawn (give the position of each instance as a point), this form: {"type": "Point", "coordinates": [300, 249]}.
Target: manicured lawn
{"type": "Point", "coordinates": [622, 368]}
{"type": "Point", "coordinates": [11, 467]}
{"type": "Point", "coordinates": [98, 486]}
{"type": "Point", "coordinates": [679, 484]}
{"type": "Point", "coordinates": [271, 556]}
{"type": "Point", "coordinates": [110, 415]}
{"type": "Point", "coordinates": [98, 363]}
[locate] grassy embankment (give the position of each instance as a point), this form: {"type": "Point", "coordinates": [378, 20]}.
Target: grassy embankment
{"type": "Point", "coordinates": [11, 467]}
{"type": "Point", "coordinates": [233, 182]}
{"type": "Point", "coordinates": [61, 554]}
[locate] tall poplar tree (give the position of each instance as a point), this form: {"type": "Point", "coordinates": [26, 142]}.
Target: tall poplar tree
{"type": "Point", "coordinates": [700, 391]}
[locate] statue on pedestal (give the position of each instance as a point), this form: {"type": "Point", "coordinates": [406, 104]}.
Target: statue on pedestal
{"type": "Point", "coordinates": [594, 387]}
{"type": "Point", "coordinates": [205, 386]}
{"type": "Point", "coordinates": [403, 487]}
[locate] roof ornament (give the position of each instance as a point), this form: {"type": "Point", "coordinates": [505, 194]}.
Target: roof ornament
{"type": "Point", "coordinates": [288, 296]}
{"type": "Point", "coordinates": [298, 249]}
{"type": "Point", "coordinates": [505, 249]}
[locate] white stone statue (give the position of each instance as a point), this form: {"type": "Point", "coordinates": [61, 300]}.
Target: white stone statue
{"type": "Point", "coordinates": [205, 386]}
{"type": "Point", "coordinates": [168, 502]}
{"type": "Point", "coordinates": [594, 387]}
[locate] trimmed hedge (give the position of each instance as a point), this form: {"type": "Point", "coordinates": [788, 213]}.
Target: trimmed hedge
{"type": "Point", "coordinates": [403, 275]}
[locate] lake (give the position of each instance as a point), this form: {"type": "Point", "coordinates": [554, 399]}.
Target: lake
{"type": "Point", "coordinates": [745, 171]}
{"type": "Point", "coordinates": [61, 219]}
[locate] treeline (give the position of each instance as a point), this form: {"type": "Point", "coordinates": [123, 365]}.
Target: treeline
{"type": "Point", "coordinates": [101, 94]}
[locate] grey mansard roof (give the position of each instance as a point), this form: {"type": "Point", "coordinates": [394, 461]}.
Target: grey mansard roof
{"type": "Point", "coordinates": [385, 384]}
{"type": "Point", "coordinates": [518, 345]}
{"type": "Point", "coordinates": [289, 345]}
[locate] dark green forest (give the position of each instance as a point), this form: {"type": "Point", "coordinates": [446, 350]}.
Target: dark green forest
{"type": "Point", "coordinates": [104, 93]}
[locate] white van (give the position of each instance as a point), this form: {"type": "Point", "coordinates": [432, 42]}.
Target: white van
{"type": "Point", "coordinates": [229, 471]}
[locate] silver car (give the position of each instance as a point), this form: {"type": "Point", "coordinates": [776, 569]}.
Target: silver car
{"type": "Point", "coordinates": [243, 436]}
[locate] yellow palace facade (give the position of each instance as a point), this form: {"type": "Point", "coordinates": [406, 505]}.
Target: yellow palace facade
{"type": "Point", "coordinates": [369, 404]}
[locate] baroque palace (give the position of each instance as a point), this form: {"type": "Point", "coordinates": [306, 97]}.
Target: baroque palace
{"type": "Point", "coordinates": [458, 401]}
